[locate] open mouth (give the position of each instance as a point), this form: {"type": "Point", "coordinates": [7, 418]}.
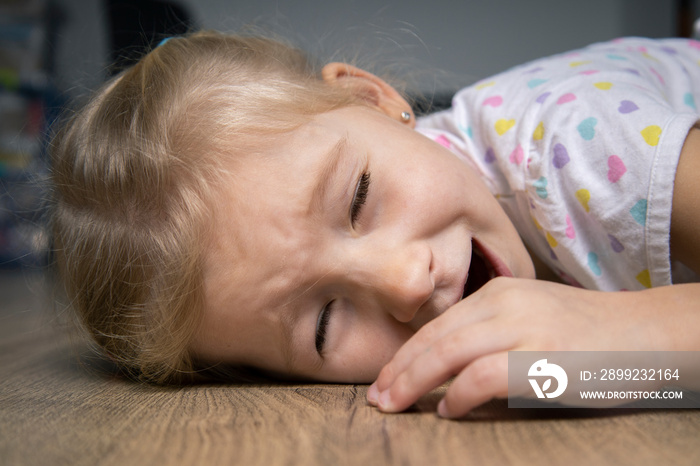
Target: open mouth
{"type": "Point", "coordinates": [480, 271]}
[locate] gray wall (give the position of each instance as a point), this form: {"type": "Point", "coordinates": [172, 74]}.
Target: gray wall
{"type": "Point", "coordinates": [443, 44]}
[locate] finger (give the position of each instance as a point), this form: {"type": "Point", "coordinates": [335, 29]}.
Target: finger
{"type": "Point", "coordinates": [462, 314]}
{"type": "Point", "coordinates": [447, 357]}
{"type": "Point", "coordinates": [484, 379]}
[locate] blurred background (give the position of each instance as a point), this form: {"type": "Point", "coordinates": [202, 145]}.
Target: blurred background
{"type": "Point", "coordinates": [54, 52]}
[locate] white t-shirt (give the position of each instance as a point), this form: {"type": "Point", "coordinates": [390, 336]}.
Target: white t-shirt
{"type": "Point", "coordinates": [581, 151]}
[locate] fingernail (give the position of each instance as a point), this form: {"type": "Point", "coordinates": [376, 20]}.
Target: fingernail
{"type": "Point", "coordinates": [442, 409]}
{"type": "Point", "coordinates": [373, 394]}
{"type": "Point", "coordinates": [384, 401]}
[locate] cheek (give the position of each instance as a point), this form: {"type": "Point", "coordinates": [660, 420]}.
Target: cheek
{"type": "Point", "coordinates": [367, 351]}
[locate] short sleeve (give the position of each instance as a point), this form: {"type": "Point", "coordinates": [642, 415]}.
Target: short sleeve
{"type": "Point", "coordinates": [581, 150]}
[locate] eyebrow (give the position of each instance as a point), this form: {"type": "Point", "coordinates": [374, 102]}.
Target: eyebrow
{"type": "Point", "coordinates": [329, 170]}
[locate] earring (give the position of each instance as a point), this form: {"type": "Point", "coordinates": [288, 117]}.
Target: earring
{"type": "Point", "coordinates": [405, 117]}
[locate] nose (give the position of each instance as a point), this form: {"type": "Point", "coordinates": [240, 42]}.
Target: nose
{"type": "Point", "coordinates": [397, 278]}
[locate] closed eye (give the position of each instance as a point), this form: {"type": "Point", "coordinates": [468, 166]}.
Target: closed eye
{"type": "Point", "coordinates": [360, 196]}
{"type": "Point", "coordinates": [322, 326]}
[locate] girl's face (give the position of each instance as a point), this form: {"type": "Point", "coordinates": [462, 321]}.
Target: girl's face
{"type": "Point", "coordinates": [337, 244]}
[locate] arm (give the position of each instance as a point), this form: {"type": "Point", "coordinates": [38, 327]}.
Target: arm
{"type": "Point", "coordinates": [472, 339]}
{"type": "Point", "coordinates": [685, 221]}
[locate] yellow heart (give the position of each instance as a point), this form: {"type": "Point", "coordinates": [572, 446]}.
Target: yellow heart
{"type": "Point", "coordinates": [583, 196]}
{"type": "Point", "coordinates": [651, 134]}
{"type": "Point", "coordinates": [537, 224]}
{"type": "Point", "coordinates": [552, 242]}
{"type": "Point", "coordinates": [603, 86]}
{"type": "Point", "coordinates": [574, 64]}
{"type": "Point", "coordinates": [503, 125]}
{"type": "Point", "coordinates": [485, 85]}
{"type": "Point", "coordinates": [539, 132]}
{"type": "Point", "coordinates": [644, 278]}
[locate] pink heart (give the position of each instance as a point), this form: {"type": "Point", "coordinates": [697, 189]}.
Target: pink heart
{"type": "Point", "coordinates": [517, 155]}
{"type": "Point", "coordinates": [494, 101]}
{"type": "Point", "coordinates": [588, 72]}
{"type": "Point", "coordinates": [657, 74]}
{"type": "Point", "coordinates": [443, 141]}
{"type": "Point", "coordinates": [570, 232]}
{"type": "Point", "coordinates": [616, 168]}
{"type": "Point", "coordinates": [566, 98]}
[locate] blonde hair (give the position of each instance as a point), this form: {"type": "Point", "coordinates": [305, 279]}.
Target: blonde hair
{"type": "Point", "coordinates": [134, 173]}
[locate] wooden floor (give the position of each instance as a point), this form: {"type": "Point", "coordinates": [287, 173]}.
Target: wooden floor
{"type": "Point", "coordinates": [60, 406]}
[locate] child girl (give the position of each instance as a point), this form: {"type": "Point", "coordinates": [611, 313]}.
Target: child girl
{"type": "Point", "coordinates": [225, 204]}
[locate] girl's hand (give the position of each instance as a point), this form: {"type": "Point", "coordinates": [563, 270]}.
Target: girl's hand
{"type": "Point", "coordinates": [471, 340]}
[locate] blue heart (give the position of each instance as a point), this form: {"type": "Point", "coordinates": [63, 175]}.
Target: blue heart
{"type": "Point", "coordinates": [689, 100]}
{"type": "Point", "coordinates": [541, 187]}
{"type": "Point", "coordinates": [467, 130]}
{"type": "Point", "coordinates": [593, 263]}
{"type": "Point", "coordinates": [587, 128]}
{"type": "Point", "coordinates": [533, 83]}
{"type": "Point", "coordinates": [639, 211]}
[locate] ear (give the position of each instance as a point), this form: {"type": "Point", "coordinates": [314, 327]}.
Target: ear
{"type": "Point", "coordinates": [370, 88]}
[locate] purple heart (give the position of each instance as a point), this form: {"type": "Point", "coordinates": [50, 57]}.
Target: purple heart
{"type": "Point", "coordinates": [615, 244]}
{"type": "Point", "coordinates": [627, 106]}
{"type": "Point", "coordinates": [561, 156]}
{"type": "Point", "coordinates": [542, 97]}
{"type": "Point", "coordinates": [490, 156]}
